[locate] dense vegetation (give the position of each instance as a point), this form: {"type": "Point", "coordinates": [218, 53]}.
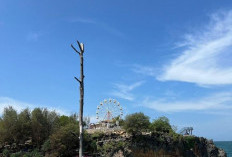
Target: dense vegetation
{"type": "Point", "coordinates": [137, 123]}
{"type": "Point", "coordinates": [40, 131]}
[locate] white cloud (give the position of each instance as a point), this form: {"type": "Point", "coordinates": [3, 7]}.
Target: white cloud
{"type": "Point", "coordinates": [203, 60]}
{"type": "Point", "coordinates": [125, 91]}
{"type": "Point", "coordinates": [145, 70]}
{"type": "Point", "coordinates": [19, 106]}
{"type": "Point", "coordinates": [216, 102]}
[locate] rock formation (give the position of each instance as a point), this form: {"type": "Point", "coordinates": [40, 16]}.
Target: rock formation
{"type": "Point", "coordinates": [156, 145]}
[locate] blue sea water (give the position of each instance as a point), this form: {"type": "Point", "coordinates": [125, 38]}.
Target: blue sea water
{"type": "Point", "coordinates": [226, 145]}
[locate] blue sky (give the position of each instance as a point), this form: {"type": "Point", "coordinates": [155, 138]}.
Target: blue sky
{"type": "Point", "coordinates": [163, 58]}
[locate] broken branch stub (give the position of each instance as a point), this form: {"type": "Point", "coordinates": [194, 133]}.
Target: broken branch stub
{"type": "Point", "coordinates": [81, 46]}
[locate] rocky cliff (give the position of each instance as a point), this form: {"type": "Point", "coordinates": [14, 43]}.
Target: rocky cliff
{"type": "Point", "coordinates": [156, 145]}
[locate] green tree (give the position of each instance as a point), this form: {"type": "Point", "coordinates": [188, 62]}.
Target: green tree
{"type": "Point", "coordinates": [39, 126]}
{"type": "Point", "coordinates": [161, 125]}
{"type": "Point", "coordinates": [136, 123]}
{"type": "Point", "coordinates": [65, 141]}
{"type": "Point", "coordinates": [44, 123]}
{"type": "Point", "coordinates": [24, 126]}
{"type": "Point", "coordinates": [52, 121]}
{"type": "Point", "coordinates": [2, 131]}
{"type": "Point", "coordinates": [63, 120]}
{"type": "Point", "coordinates": [9, 129]}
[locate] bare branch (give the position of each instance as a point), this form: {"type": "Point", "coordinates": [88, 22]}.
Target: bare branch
{"type": "Point", "coordinates": [77, 79]}
{"type": "Point", "coordinates": [75, 49]}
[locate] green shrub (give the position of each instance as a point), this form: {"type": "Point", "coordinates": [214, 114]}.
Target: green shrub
{"type": "Point", "coordinates": [17, 154]}
{"type": "Point", "coordinates": [136, 123]}
{"type": "Point", "coordinates": [190, 142]}
{"type": "Point", "coordinates": [36, 153]}
{"type": "Point", "coordinates": [6, 153]}
{"type": "Point", "coordinates": [111, 147]}
{"type": "Point", "coordinates": [161, 125]}
{"type": "Point", "coordinates": [46, 146]}
{"type": "Point", "coordinates": [175, 136]}
{"type": "Point", "coordinates": [97, 134]}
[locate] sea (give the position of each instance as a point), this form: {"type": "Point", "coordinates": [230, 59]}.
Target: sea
{"type": "Point", "coordinates": [226, 145]}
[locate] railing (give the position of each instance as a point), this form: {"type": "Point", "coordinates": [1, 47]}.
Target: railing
{"type": "Point", "coordinates": [186, 131]}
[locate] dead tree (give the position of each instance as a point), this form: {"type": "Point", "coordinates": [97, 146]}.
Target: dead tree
{"type": "Point", "coordinates": [81, 82]}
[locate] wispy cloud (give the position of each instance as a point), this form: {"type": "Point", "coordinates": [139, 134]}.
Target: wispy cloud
{"type": "Point", "coordinates": [206, 54]}
{"type": "Point", "coordinates": [216, 102]}
{"type": "Point", "coordinates": [19, 106]}
{"type": "Point", "coordinates": [100, 24]}
{"type": "Point", "coordinates": [144, 70]}
{"type": "Point", "coordinates": [125, 91]}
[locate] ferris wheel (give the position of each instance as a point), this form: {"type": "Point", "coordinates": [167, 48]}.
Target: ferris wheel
{"type": "Point", "coordinates": [108, 110]}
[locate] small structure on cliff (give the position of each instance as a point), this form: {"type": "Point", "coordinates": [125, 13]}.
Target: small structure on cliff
{"type": "Point", "coordinates": [186, 131]}
{"type": "Point", "coordinates": [104, 124]}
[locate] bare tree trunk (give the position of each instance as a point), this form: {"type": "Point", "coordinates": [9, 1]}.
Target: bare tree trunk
{"type": "Point", "coordinates": [81, 106]}
{"type": "Point", "coordinates": [81, 81]}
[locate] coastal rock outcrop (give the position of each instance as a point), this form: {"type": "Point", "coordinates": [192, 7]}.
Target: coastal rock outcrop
{"type": "Point", "coordinates": [156, 145]}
